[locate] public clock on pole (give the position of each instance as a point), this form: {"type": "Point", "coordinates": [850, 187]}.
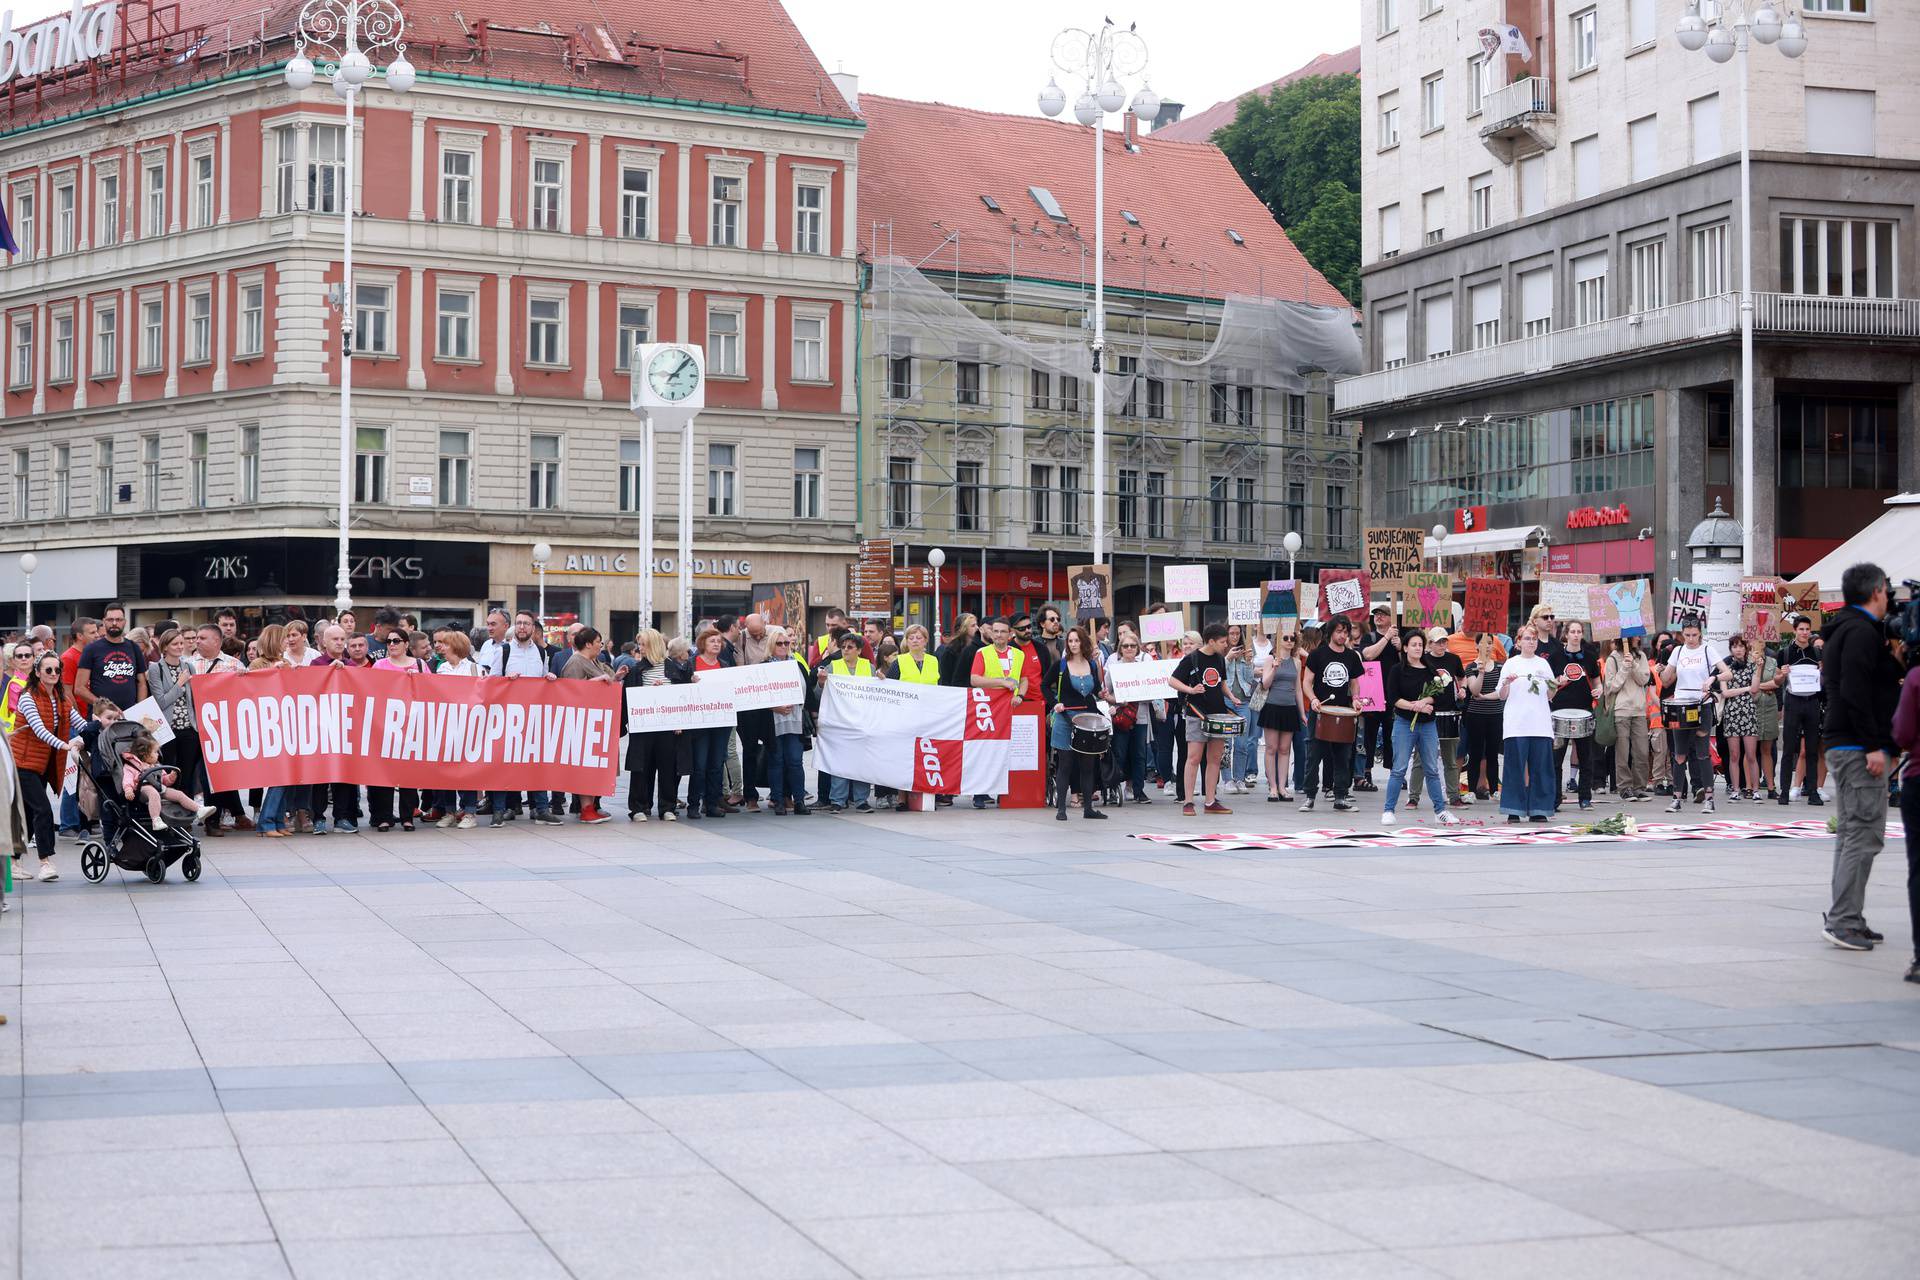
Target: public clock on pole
{"type": "Point", "coordinates": [669, 376]}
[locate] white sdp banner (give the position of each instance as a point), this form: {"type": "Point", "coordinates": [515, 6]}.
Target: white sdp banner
{"type": "Point", "coordinates": [915, 737]}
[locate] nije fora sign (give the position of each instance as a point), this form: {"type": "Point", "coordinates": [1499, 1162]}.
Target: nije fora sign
{"type": "Point", "coordinates": [1595, 517]}
{"type": "Point", "coordinates": [64, 41]}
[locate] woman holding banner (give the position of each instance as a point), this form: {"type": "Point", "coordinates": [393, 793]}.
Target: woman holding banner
{"type": "Point", "coordinates": [455, 651]}
{"type": "Point", "coordinates": [1132, 730]}
{"type": "Point", "coordinates": [707, 783]}
{"type": "Point", "coordinates": [786, 774]}
{"type": "Point", "coordinates": [653, 759]}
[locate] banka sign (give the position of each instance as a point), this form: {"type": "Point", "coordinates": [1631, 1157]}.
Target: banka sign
{"type": "Point", "coordinates": [66, 41]}
{"type": "Point", "coordinates": [1594, 517]}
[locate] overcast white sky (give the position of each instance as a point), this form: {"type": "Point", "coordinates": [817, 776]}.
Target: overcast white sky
{"type": "Point", "coordinates": [993, 53]}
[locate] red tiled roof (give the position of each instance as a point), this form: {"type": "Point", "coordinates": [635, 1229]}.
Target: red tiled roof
{"type": "Point", "coordinates": [924, 167]}
{"type": "Point", "coordinates": [744, 54]}
{"type": "Point", "coordinates": [1202, 126]}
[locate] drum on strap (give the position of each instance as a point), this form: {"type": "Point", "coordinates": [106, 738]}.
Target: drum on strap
{"type": "Point", "coordinates": [1223, 727]}
{"type": "Point", "coordinates": [1683, 715]}
{"type": "Point", "coordinates": [1446, 724]}
{"type": "Point", "coordinates": [1570, 723]}
{"type": "Point", "coordinates": [1092, 733]}
{"type": "Point", "coordinates": [1336, 724]}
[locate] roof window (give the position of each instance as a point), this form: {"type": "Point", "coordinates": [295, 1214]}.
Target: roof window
{"type": "Point", "coordinates": [1236, 237]}
{"type": "Point", "coordinates": [992, 204]}
{"type": "Point", "coordinates": [1128, 215]}
{"type": "Point", "coordinates": [1048, 205]}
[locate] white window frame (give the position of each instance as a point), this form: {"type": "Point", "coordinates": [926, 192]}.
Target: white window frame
{"type": "Point", "coordinates": [103, 487]}
{"type": "Point", "coordinates": [545, 476]}
{"type": "Point", "coordinates": [625, 336]}
{"type": "Point", "coordinates": [22, 483]}
{"type": "Point", "coordinates": [316, 189]}
{"type": "Point", "coordinates": [107, 208]}
{"type": "Point", "coordinates": [150, 471]}
{"type": "Point", "coordinates": [61, 351]}
{"type": "Point", "coordinates": [1433, 102]}
{"type": "Point", "coordinates": [1590, 302]}
{"type": "Point", "coordinates": [106, 340]}
{"type": "Point", "coordinates": [153, 193]}
{"type": "Point", "coordinates": [737, 169]}
{"type": "Point", "coordinates": [1583, 40]}
{"type": "Point", "coordinates": [372, 466]}
{"type": "Point", "coordinates": [542, 297]}
{"type": "Point", "coordinates": [1483, 333]}
{"type": "Point", "coordinates": [203, 193]}
{"type": "Point", "coordinates": [736, 367]}
{"type": "Point", "coordinates": [723, 479]}
{"type": "Point", "coordinates": [1646, 274]}
{"type": "Point", "coordinates": [1389, 17]}
{"type": "Point", "coordinates": [809, 483]}
{"type": "Point", "coordinates": [466, 320]}
{"type": "Point", "coordinates": [903, 487]}
{"type": "Point", "coordinates": [1480, 201]}
{"type": "Point", "coordinates": [820, 372]}
{"type": "Point", "coordinates": [1433, 208]}
{"type": "Point", "coordinates": [385, 288]}
{"type": "Point", "coordinates": [1479, 82]}
{"type": "Point", "coordinates": [249, 462]}
{"type": "Point", "coordinates": [1793, 274]}
{"type": "Point", "coordinates": [66, 223]}
{"type": "Point", "coordinates": [470, 144]}
{"type": "Point", "coordinates": [1646, 127]}
{"type": "Point", "coordinates": [1585, 154]}
{"type": "Point", "coordinates": [643, 160]}
{"type": "Point", "coordinates": [198, 452]}
{"type": "Point", "coordinates": [805, 177]}
{"type": "Point", "coordinates": [1387, 114]}
{"type": "Point", "coordinates": [1707, 259]}
{"type": "Point", "coordinates": [62, 481]}
{"type": "Point", "coordinates": [24, 207]}
{"type": "Point", "coordinates": [151, 356]}
{"type": "Point", "coordinates": [1838, 8]}
{"type": "Point", "coordinates": [455, 469]}
{"type": "Point", "coordinates": [250, 329]}
{"type": "Point", "coordinates": [557, 216]}
{"type": "Point", "coordinates": [197, 326]}
{"type": "Point", "coordinates": [631, 455]}
{"type": "Point", "coordinates": [20, 349]}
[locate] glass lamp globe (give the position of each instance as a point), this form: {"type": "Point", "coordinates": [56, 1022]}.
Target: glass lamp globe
{"type": "Point", "coordinates": [299, 71]}
{"type": "Point", "coordinates": [1112, 96]}
{"type": "Point", "coordinates": [1691, 32]}
{"type": "Point", "coordinates": [1146, 104]}
{"type": "Point", "coordinates": [1052, 100]}
{"type": "Point", "coordinates": [1793, 38]}
{"type": "Point", "coordinates": [1766, 24]}
{"type": "Point", "coordinates": [354, 68]}
{"type": "Point", "coordinates": [400, 74]}
{"type": "Point", "coordinates": [341, 85]}
{"type": "Point", "coordinates": [1086, 109]}
{"type": "Point", "coordinates": [1720, 45]}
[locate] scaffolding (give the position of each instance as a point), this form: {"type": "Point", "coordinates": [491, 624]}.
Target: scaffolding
{"type": "Point", "coordinates": [1220, 437]}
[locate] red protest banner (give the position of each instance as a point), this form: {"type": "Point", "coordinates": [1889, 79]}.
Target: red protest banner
{"type": "Point", "coordinates": [290, 727]}
{"type": "Point", "coordinates": [1486, 606]}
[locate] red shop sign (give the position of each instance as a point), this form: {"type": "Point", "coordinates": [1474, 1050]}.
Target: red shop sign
{"type": "Point", "coordinates": [1595, 517]}
{"type": "Point", "coordinates": [1469, 519]}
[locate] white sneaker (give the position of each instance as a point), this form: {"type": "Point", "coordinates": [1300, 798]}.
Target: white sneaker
{"type": "Point", "coordinates": [1166, 789]}
{"type": "Point", "coordinates": [466, 822]}
{"type": "Point", "coordinates": [159, 824]}
{"type": "Point", "coordinates": [48, 872]}
{"type": "Point", "coordinates": [205, 811]}
{"type": "Point", "coordinates": [1449, 820]}
{"type": "Point", "coordinates": [1387, 819]}
{"type": "Point", "coordinates": [669, 816]}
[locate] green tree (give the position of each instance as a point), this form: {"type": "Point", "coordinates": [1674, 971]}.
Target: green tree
{"type": "Point", "coordinates": [1298, 148]}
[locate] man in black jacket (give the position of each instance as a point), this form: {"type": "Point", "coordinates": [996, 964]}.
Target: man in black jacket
{"type": "Point", "coordinates": [1861, 681]}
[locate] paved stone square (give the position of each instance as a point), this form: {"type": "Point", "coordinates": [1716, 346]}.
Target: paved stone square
{"type": "Point", "coordinates": [962, 1044]}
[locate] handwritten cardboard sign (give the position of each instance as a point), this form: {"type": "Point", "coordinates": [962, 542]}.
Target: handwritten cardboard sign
{"type": "Point", "coordinates": [1392, 554]}
{"type": "Point", "coordinates": [1800, 599]}
{"type": "Point", "coordinates": [1603, 616]}
{"type": "Point", "coordinates": [1185, 582]}
{"type": "Point", "coordinates": [1369, 691]}
{"type": "Point", "coordinates": [1566, 594]}
{"type": "Point", "coordinates": [1280, 599]}
{"type": "Point", "coordinates": [1243, 605]}
{"type": "Point", "coordinates": [1428, 601]}
{"type": "Point", "coordinates": [1485, 606]}
{"type": "Point", "coordinates": [1344, 593]}
{"type": "Point", "coordinates": [1090, 591]}
{"type": "Point", "coordinates": [1629, 600]}
{"type": "Point", "coordinates": [1688, 604]}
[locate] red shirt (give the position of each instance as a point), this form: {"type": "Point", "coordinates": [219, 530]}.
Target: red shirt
{"type": "Point", "coordinates": [70, 666]}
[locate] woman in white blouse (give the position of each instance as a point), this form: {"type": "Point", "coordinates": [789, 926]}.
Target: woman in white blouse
{"type": "Point", "coordinates": [1527, 780]}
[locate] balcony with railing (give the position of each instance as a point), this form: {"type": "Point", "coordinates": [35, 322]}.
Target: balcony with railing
{"type": "Point", "coordinates": [1696, 320]}
{"type": "Point", "coordinates": [1518, 118]}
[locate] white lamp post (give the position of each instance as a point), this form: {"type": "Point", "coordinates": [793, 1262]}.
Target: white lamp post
{"type": "Point", "coordinates": [1439, 533]}
{"type": "Point", "coordinates": [1100, 59]}
{"type": "Point", "coordinates": [541, 554]}
{"type": "Point", "coordinates": [28, 563]}
{"type": "Point", "coordinates": [1722, 28]}
{"type": "Point", "coordinates": [348, 29]}
{"type": "Point", "coordinates": [936, 558]}
{"type": "Point", "coordinates": [1292, 543]}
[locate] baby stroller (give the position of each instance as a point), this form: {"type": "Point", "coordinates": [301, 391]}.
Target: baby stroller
{"type": "Point", "coordinates": [129, 842]}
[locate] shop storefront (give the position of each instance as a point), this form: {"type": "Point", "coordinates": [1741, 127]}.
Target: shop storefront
{"type": "Point", "coordinates": [276, 579]}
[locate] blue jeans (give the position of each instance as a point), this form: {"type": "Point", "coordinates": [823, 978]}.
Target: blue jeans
{"type": "Point", "coordinates": [1131, 748]}
{"type": "Point", "coordinates": [841, 789]}
{"type": "Point", "coordinates": [273, 810]}
{"type": "Point", "coordinates": [786, 779]}
{"type": "Point", "coordinates": [1408, 737]}
{"type": "Point", "coordinates": [1246, 747]}
{"type": "Point", "coordinates": [1528, 786]}
{"type": "Point", "coordinates": [455, 801]}
{"type": "Point", "coordinates": [501, 801]}
{"type": "Point", "coordinates": [70, 818]}
{"type": "Point", "coordinates": [708, 778]}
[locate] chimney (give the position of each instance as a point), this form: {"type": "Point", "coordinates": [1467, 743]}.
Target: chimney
{"type": "Point", "coordinates": [849, 86]}
{"type": "Point", "coordinates": [1169, 113]}
{"type": "Point", "coordinates": [1126, 131]}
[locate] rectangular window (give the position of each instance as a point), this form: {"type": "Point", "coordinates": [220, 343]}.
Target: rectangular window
{"type": "Point", "coordinates": [723, 343]}
{"type": "Point", "coordinates": [199, 327]}
{"type": "Point", "coordinates": [63, 481]}
{"type": "Point", "coordinates": [251, 339]}
{"type": "Point", "coordinates": [1243, 406]}
{"type": "Point", "coordinates": [547, 201]}
{"type": "Point", "coordinates": [1437, 326]}
{"type": "Point", "coordinates": [1533, 185]}
{"type": "Point", "coordinates": [631, 455]}
{"type": "Point", "coordinates": [1840, 121]}
{"type": "Point", "coordinates": [1125, 371]}
{"type": "Point", "coordinates": [249, 462]}
{"type": "Point", "coordinates": [153, 188]}
{"type": "Point", "coordinates": [327, 168]}
{"type": "Point", "coordinates": [62, 352]}
{"type": "Point", "coordinates": [103, 476]}
{"type": "Point", "coordinates": [22, 483]}
{"type": "Point", "coordinates": [1296, 414]}
{"type": "Point", "coordinates": [1643, 148]}
{"type": "Point", "coordinates": [1433, 216]}
{"type": "Point", "coordinates": [1590, 289]}
{"type": "Point", "coordinates": [728, 196]}
{"type": "Point", "coordinates": [107, 208]}
{"type": "Point", "coordinates": [1069, 500]}
{"type": "Point", "coordinates": [456, 186]}
{"type": "Point", "coordinates": [1838, 257]}
{"type": "Point", "coordinates": [1040, 498]}
{"type": "Point", "coordinates": [969, 499]}
{"type": "Point", "coordinates": [24, 227]}
{"type": "Point", "coordinates": [900, 493]}
{"type": "Point", "coordinates": [20, 371]}
{"type": "Point", "coordinates": [1156, 398]}
{"type": "Point", "coordinates": [106, 341]}
{"type": "Point", "coordinates": [900, 377]}
{"type": "Point", "coordinates": [809, 218]}
{"type": "Point", "coordinates": [1483, 306]}
{"type": "Point", "coordinates": [372, 319]}
{"type": "Point", "coordinates": [150, 471]}
{"type": "Point", "coordinates": [1433, 102]}
{"type": "Point", "coordinates": [1640, 24]}
{"type": "Point", "coordinates": [1856, 8]}
{"type": "Point", "coordinates": [1156, 504]}
{"type": "Point", "coordinates": [1127, 504]}
{"type": "Point", "coordinates": [636, 331]}
{"type": "Point", "coordinates": [1536, 302]}
{"type": "Point", "coordinates": [1393, 337]}
{"type": "Point", "coordinates": [200, 211]}
{"type": "Point", "coordinates": [966, 383]}
{"type": "Point", "coordinates": [1069, 398]}
{"type": "Point", "coordinates": [807, 481]}
{"type": "Point", "coordinates": [1245, 509]}
{"type": "Point", "coordinates": [1389, 109]}
{"type": "Point", "coordinates": [810, 349]}
{"type": "Point", "coordinates": [1479, 82]}
{"type": "Point", "coordinates": [1707, 260]}
{"type": "Point", "coordinates": [1297, 507]}
{"type": "Point", "coordinates": [546, 332]}
{"type": "Point", "coordinates": [1389, 16]}
{"type": "Point", "coordinates": [1586, 167]}
{"type": "Point", "coordinates": [1336, 516]}
{"type": "Point", "coordinates": [636, 203]}
{"type": "Point", "coordinates": [370, 464]}
{"type": "Point", "coordinates": [1217, 509]}
{"type": "Point", "coordinates": [721, 480]}
{"type": "Point", "coordinates": [1389, 230]}
{"type": "Point", "coordinates": [1703, 127]}
{"type": "Point", "coordinates": [65, 210]}
{"type": "Point", "coordinates": [1219, 402]}
{"type": "Point", "coordinates": [1585, 45]}
{"type": "Point", "coordinates": [1647, 275]}
{"type": "Point", "coordinates": [543, 472]}
{"type": "Point", "coordinates": [453, 324]}
{"type": "Point", "coordinates": [1480, 202]}
{"type": "Point", "coordinates": [1039, 389]}
{"type": "Point", "coordinates": [197, 469]}
{"type": "Point", "coordinates": [456, 469]}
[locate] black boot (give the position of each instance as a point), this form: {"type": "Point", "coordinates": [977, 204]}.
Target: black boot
{"type": "Point", "coordinates": [1063, 782]}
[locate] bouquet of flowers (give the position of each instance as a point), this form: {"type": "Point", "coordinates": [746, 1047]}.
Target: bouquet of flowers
{"type": "Point", "coordinates": [1440, 683]}
{"type": "Point", "coordinates": [1618, 825]}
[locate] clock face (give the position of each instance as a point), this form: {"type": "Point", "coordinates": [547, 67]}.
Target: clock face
{"type": "Point", "coordinates": [673, 375]}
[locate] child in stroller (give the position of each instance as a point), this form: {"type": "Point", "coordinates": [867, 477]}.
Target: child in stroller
{"type": "Point", "coordinates": [126, 842]}
{"type": "Point", "coordinates": [143, 777]}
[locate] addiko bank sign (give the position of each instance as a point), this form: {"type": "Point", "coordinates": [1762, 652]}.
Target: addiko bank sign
{"type": "Point", "coordinates": [65, 41]}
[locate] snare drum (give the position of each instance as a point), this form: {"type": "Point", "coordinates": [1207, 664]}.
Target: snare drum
{"type": "Point", "coordinates": [1683, 715]}
{"type": "Point", "coordinates": [1223, 727]}
{"type": "Point", "coordinates": [1446, 724]}
{"type": "Point", "coordinates": [1569, 723]}
{"type": "Point", "coordinates": [1092, 733]}
{"type": "Point", "coordinates": [1336, 724]}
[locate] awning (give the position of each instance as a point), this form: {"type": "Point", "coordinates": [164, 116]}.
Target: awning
{"type": "Point", "coordinates": [1485, 541]}
{"type": "Point", "coordinates": [1892, 542]}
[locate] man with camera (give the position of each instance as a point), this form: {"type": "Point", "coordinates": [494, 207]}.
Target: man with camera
{"type": "Point", "coordinates": [1859, 677]}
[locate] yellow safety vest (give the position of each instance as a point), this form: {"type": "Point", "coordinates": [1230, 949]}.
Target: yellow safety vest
{"type": "Point", "coordinates": [821, 646]}
{"type": "Point", "coordinates": [994, 669]}
{"type": "Point", "coordinates": [861, 667]}
{"type": "Point", "coordinates": [10, 702]}
{"type": "Point", "coordinates": [926, 671]}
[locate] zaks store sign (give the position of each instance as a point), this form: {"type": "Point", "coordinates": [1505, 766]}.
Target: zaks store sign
{"type": "Point", "coordinates": [1595, 517]}
{"type": "Point", "coordinates": [57, 43]}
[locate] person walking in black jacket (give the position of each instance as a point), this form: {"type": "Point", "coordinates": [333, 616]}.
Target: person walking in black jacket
{"type": "Point", "coordinates": [1861, 680]}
